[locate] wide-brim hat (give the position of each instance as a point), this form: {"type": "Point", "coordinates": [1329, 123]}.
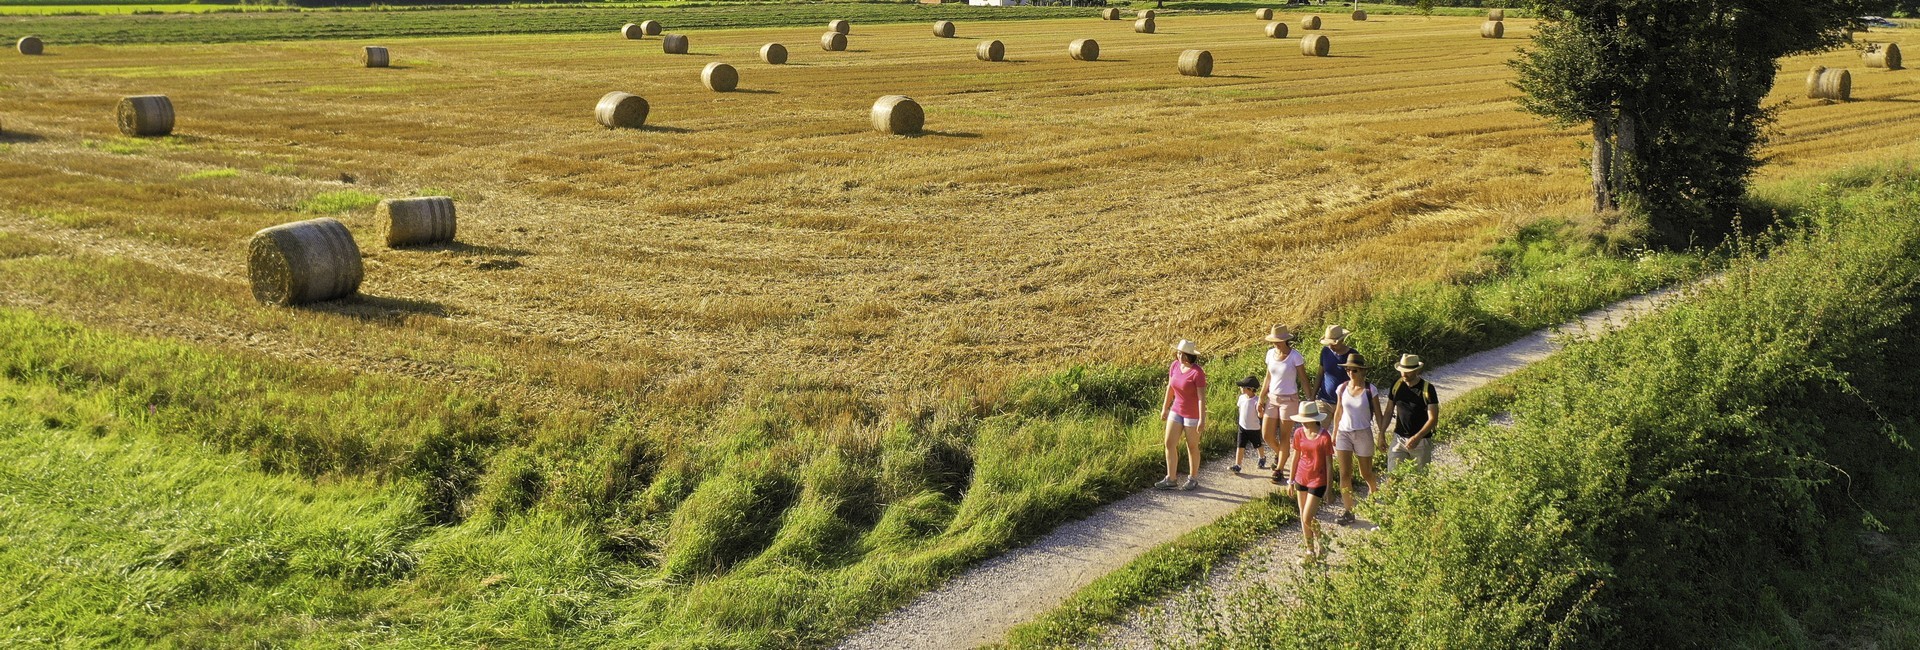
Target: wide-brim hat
{"type": "Point", "coordinates": [1248, 381]}
{"type": "Point", "coordinates": [1280, 334]}
{"type": "Point", "coordinates": [1355, 362]}
{"type": "Point", "coordinates": [1335, 334]}
{"type": "Point", "coordinates": [1187, 347]}
{"type": "Point", "coordinates": [1311, 412]}
{"type": "Point", "coordinates": [1410, 363]}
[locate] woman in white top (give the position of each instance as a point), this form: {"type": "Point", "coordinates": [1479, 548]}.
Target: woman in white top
{"type": "Point", "coordinates": [1356, 408]}
{"type": "Point", "coordinates": [1280, 395]}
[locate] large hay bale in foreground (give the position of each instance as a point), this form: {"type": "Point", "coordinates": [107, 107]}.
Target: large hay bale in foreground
{"type": "Point", "coordinates": [833, 42]}
{"type": "Point", "coordinates": [990, 51]}
{"type": "Point", "coordinates": [631, 31]}
{"type": "Point", "coordinates": [898, 115]}
{"type": "Point", "coordinates": [773, 53]}
{"type": "Point", "coordinates": [1263, 13]}
{"type": "Point", "coordinates": [839, 26]}
{"type": "Point", "coordinates": [1110, 13]}
{"type": "Point", "coordinates": [1493, 29]}
{"type": "Point", "coordinates": [1496, 15]}
{"type": "Point", "coordinates": [650, 27]}
{"type": "Point", "coordinates": [720, 77]}
{"type": "Point", "coordinates": [145, 115]}
{"type": "Point", "coordinates": [674, 43]}
{"type": "Point", "coordinates": [30, 45]}
{"type": "Point", "coordinates": [1883, 55]}
{"type": "Point", "coordinates": [1145, 13]}
{"type": "Point", "coordinates": [417, 221]}
{"type": "Point", "coordinates": [373, 56]}
{"type": "Point", "coordinates": [1831, 84]}
{"type": "Point", "coordinates": [1315, 45]}
{"type": "Point", "coordinates": [618, 110]}
{"type": "Point", "coordinates": [303, 262]}
{"type": "Point", "coordinates": [1143, 26]}
{"type": "Point", "coordinates": [1359, 14]}
{"type": "Point", "coordinates": [1310, 22]}
{"type": "Point", "coordinates": [1084, 49]}
{"type": "Point", "coordinates": [943, 29]}
{"type": "Point", "coordinates": [1196, 63]}
{"type": "Point", "coordinates": [1276, 30]}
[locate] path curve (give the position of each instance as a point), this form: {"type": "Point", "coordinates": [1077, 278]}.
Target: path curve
{"type": "Point", "coordinates": [980, 606]}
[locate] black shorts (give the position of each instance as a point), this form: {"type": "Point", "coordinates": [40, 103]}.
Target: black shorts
{"type": "Point", "coordinates": [1249, 438]}
{"type": "Point", "coordinates": [1317, 492]}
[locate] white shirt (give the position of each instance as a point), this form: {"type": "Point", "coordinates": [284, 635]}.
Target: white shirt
{"type": "Point", "coordinates": [1283, 377]}
{"type": "Point", "coordinates": [1356, 411]}
{"type": "Point", "coordinates": [1249, 412]}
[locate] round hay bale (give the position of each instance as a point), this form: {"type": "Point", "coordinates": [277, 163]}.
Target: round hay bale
{"type": "Point", "coordinates": [618, 110]}
{"type": "Point", "coordinates": [650, 27]}
{"type": "Point", "coordinates": [417, 221]}
{"type": "Point", "coordinates": [1310, 22]}
{"type": "Point", "coordinates": [1315, 45]}
{"type": "Point", "coordinates": [898, 115]}
{"type": "Point", "coordinates": [373, 56]}
{"type": "Point", "coordinates": [1830, 84]}
{"type": "Point", "coordinates": [773, 53]}
{"type": "Point", "coordinates": [1276, 30]}
{"type": "Point", "coordinates": [990, 51]}
{"type": "Point", "coordinates": [1883, 55]}
{"type": "Point", "coordinates": [1145, 13]}
{"type": "Point", "coordinates": [303, 262]}
{"type": "Point", "coordinates": [943, 29]}
{"type": "Point", "coordinates": [840, 26]}
{"type": "Point", "coordinates": [145, 115]}
{"type": "Point", "coordinates": [1196, 63]}
{"type": "Point", "coordinates": [674, 43]}
{"type": "Point", "coordinates": [1263, 13]}
{"type": "Point", "coordinates": [30, 45]}
{"type": "Point", "coordinates": [720, 77]}
{"type": "Point", "coordinates": [631, 32]}
{"type": "Point", "coordinates": [1493, 29]}
{"type": "Point", "coordinates": [1360, 15]}
{"type": "Point", "coordinates": [1143, 26]}
{"type": "Point", "coordinates": [833, 42]}
{"type": "Point", "coordinates": [1110, 13]}
{"type": "Point", "coordinates": [1084, 49]}
{"type": "Point", "coordinates": [1497, 15]}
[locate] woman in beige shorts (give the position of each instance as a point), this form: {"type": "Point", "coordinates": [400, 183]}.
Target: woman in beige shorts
{"type": "Point", "coordinates": [1280, 396]}
{"type": "Point", "coordinates": [1356, 410]}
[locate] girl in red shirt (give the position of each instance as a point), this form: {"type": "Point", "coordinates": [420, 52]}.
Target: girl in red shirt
{"type": "Point", "coordinates": [1314, 451]}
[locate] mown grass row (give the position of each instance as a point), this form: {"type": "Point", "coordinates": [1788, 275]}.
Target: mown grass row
{"type": "Point", "coordinates": [1736, 470]}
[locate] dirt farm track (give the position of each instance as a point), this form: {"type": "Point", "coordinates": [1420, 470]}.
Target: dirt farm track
{"type": "Point", "coordinates": [1055, 210]}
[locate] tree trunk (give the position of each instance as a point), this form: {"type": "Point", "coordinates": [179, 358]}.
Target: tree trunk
{"type": "Point", "coordinates": [1626, 147]}
{"type": "Point", "coordinates": [1602, 164]}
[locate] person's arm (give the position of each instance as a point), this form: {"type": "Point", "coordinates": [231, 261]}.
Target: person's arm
{"type": "Point", "coordinates": [1433, 418]}
{"type": "Point", "coordinates": [1203, 408]}
{"type": "Point", "coordinates": [1166, 402]}
{"type": "Point", "coordinates": [1303, 389]}
{"type": "Point", "coordinates": [1266, 380]}
{"type": "Point", "coordinates": [1337, 407]}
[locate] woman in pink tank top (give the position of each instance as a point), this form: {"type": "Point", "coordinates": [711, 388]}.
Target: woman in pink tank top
{"type": "Point", "coordinates": [1184, 409]}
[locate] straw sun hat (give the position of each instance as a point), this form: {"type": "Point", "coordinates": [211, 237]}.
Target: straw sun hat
{"type": "Point", "coordinates": [1410, 363]}
{"type": "Point", "coordinates": [1280, 333]}
{"type": "Point", "coordinates": [1310, 412]}
{"type": "Point", "coordinates": [1356, 361]}
{"type": "Point", "coordinates": [1335, 334]}
{"type": "Point", "coordinates": [1187, 347]}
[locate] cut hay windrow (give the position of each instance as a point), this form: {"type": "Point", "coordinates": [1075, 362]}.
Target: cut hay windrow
{"type": "Point", "coordinates": [1882, 55]}
{"type": "Point", "coordinates": [632, 32]}
{"type": "Point", "coordinates": [303, 262]}
{"type": "Point", "coordinates": [1830, 84]}
{"type": "Point", "coordinates": [1359, 14]}
{"type": "Point", "coordinates": [1110, 13]}
{"type": "Point", "coordinates": [674, 44]}
{"type": "Point", "coordinates": [1276, 30]}
{"type": "Point", "coordinates": [1196, 63]}
{"type": "Point", "coordinates": [145, 115]}
{"type": "Point", "coordinates": [618, 110]}
{"type": "Point", "coordinates": [1084, 49]}
{"type": "Point", "coordinates": [898, 115]}
{"type": "Point", "coordinates": [1496, 15]}
{"type": "Point", "coordinates": [417, 221]}
{"type": "Point", "coordinates": [840, 26]}
{"type": "Point", "coordinates": [373, 56]}
{"type": "Point", "coordinates": [1143, 26]}
{"type": "Point", "coordinates": [1493, 29]}
{"type": "Point", "coordinates": [1315, 45]}
{"type": "Point", "coordinates": [30, 45]}
{"type": "Point", "coordinates": [720, 77]}
{"type": "Point", "coordinates": [1263, 13]}
{"type": "Point", "coordinates": [833, 42]}
{"type": "Point", "coordinates": [990, 51]}
{"type": "Point", "coordinates": [943, 29]}
{"type": "Point", "coordinates": [650, 27]}
{"type": "Point", "coordinates": [773, 53]}
{"type": "Point", "coordinates": [1310, 22]}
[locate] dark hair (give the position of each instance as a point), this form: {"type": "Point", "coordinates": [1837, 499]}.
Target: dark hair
{"type": "Point", "coordinates": [1191, 359]}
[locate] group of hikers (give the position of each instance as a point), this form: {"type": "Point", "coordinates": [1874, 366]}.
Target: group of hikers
{"type": "Point", "coordinates": [1335, 418]}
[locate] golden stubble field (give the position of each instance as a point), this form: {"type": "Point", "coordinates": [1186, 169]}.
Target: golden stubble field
{"type": "Point", "coordinates": [1056, 211]}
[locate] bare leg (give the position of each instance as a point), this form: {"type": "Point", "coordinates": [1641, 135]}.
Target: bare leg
{"type": "Point", "coordinates": [1173, 449]}
{"type": "Point", "coordinates": [1366, 473]}
{"type": "Point", "coordinates": [1346, 478]}
{"type": "Point", "coordinates": [1270, 430]}
{"type": "Point", "coordinates": [1193, 451]}
{"type": "Point", "coordinates": [1310, 522]}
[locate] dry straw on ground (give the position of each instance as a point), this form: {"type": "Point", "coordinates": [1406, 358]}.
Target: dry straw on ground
{"type": "Point", "coordinates": [618, 110]}
{"type": "Point", "coordinates": [720, 77]}
{"type": "Point", "coordinates": [1084, 49]}
{"type": "Point", "coordinates": [1830, 83]}
{"type": "Point", "coordinates": [1493, 29]}
{"type": "Point", "coordinates": [1310, 22]}
{"type": "Point", "coordinates": [1110, 13]}
{"type": "Point", "coordinates": [373, 56]}
{"type": "Point", "coordinates": [1882, 55]}
{"type": "Point", "coordinates": [1315, 45]}
{"type": "Point", "coordinates": [650, 27]}
{"type": "Point", "coordinates": [1359, 14]}
{"type": "Point", "coordinates": [839, 26]}
{"type": "Point", "coordinates": [943, 28]}
{"type": "Point", "coordinates": [30, 45]}
{"type": "Point", "coordinates": [1143, 26]}
{"type": "Point", "coordinates": [303, 262]}
{"type": "Point", "coordinates": [1263, 13]}
{"type": "Point", "coordinates": [674, 44]}
{"type": "Point", "coordinates": [1496, 15]}
{"type": "Point", "coordinates": [145, 115]}
{"type": "Point", "coordinates": [417, 221]}
{"type": "Point", "coordinates": [833, 42]}
{"type": "Point", "coordinates": [898, 115]}
{"type": "Point", "coordinates": [773, 53]}
{"type": "Point", "coordinates": [1276, 30]}
{"type": "Point", "coordinates": [990, 51]}
{"type": "Point", "coordinates": [631, 31]}
{"type": "Point", "coordinates": [1196, 63]}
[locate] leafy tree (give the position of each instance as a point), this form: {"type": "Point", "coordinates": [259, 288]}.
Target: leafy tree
{"type": "Point", "coordinates": [1673, 90]}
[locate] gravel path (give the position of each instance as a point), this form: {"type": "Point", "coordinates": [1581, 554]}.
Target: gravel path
{"type": "Point", "coordinates": [981, 605]}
